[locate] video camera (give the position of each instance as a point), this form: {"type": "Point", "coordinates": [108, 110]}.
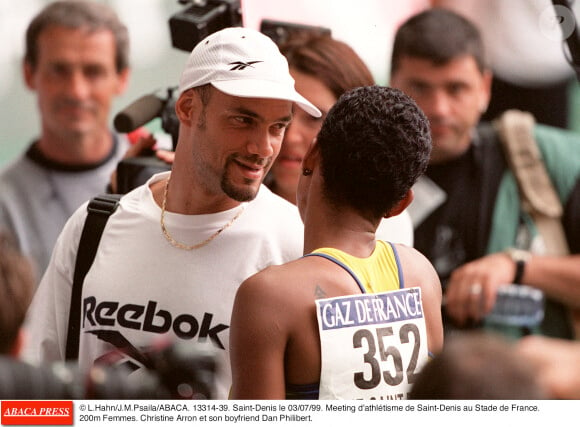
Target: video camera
{"type": "Point", "coordinates": [188, 27]}
{"type": "Point", "coordinates": [179, 371]}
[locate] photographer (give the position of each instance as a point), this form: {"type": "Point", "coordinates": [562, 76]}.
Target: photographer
{"type": "Point", "coordinates": [478, 218]}
{"type": "Point", "coordinates": [76, 62]}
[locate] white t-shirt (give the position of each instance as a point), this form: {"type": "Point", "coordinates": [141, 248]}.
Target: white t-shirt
{"type": "Point", "coordinates": [397, 229]}
{"type": "Point", "coordinates": [141, 289]}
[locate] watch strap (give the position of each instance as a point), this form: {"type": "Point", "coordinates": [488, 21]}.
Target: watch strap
{"type": "Point", "coordinates": [520, 258]}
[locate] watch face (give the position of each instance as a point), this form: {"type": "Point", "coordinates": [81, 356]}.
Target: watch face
{"type": "Point", "coordinates": [519, 255]}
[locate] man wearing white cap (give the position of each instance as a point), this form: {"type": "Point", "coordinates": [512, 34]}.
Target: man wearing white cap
{"type": "Point", "coordinates": [176, 249]}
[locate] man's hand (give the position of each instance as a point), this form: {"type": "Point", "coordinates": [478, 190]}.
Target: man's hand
{"type": "Point", "coordinates": [472, 288]}
{"type": "Point", "coordinates": [143, 145]}
{"type": "Point", "coordinates": [166, 156]}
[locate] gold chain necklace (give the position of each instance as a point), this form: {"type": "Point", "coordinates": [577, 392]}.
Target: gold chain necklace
{"type": "Point", "coordinates": [183, 246]}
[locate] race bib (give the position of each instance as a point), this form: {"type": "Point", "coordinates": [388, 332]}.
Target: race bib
{"type": "Point", "coordinates": [372, 345]}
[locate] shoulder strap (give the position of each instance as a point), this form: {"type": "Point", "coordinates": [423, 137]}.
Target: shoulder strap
{"type": "Point", "coordinates": [537, 192]}
{"type": "Point", "coordinates": [539, 197]}
{"type": "Point", "coordinates": [340, 264]}
{"type": "Point", "coordinates": [99, 209]}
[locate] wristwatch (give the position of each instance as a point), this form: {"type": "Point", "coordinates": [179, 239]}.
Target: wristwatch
{"type": "Point", "coordinates": [520, 257]}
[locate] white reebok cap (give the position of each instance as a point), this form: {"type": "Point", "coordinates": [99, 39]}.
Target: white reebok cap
{"type": "Point", "coordinates": [242, 62]}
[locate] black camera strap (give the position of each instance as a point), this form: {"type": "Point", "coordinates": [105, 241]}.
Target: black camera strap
{"type": "Point", "coordinates": [100, 208]}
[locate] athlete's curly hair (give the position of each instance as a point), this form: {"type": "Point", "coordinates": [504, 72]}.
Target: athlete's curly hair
{"type": "Point", "coordinates": [374, 144]}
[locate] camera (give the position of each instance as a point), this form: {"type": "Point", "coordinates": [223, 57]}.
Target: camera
{"type": "Point", "coordinates": [188, 27]}
{"type": "Point", "coordinates": [179, 371]}
{"type": "Point", "coordinates": [134, 171]}
{"type": "Point", "coordinates": [281, 31]}
{"type": "Point", "coordinates": [202, 18]}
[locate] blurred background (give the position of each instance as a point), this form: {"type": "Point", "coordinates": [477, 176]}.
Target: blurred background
{"type": "Point", "coordinates": [367, 25]}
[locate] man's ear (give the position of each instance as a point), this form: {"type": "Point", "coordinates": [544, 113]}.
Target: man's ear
{"type": "Point", "coordinates": [485, 90]}
{"type": "Point", "coordinates": [123, 80]}
{"type": "Point", "coordinates": [401, 204]}
{"type": "Point", "coordinates": [28, 72]}
{"type": "Point", "coordinates": [184, 106]}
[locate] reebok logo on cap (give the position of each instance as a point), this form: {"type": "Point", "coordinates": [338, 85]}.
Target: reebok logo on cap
{"type": "Point", "coordinates": [239, 65]}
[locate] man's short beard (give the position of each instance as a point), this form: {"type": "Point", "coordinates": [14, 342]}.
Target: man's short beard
{"type": "Point", "coordinates": [235, 193]}
{"type": "Point", "coordinates": [246, 192]}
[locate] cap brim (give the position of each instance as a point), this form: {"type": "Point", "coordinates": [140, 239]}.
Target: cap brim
{"type": "Point", "coordinates": [265, 89]}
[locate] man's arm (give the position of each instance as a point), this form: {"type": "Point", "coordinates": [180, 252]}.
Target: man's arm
{"type": "Point", "coordinates": [472, 288]}
{"type": "Point", "coordinates": [557, 276]}
{"type": "Point", "coordinates": [258, 340]}
{"type": "Point", "coordinates": [46, 323]}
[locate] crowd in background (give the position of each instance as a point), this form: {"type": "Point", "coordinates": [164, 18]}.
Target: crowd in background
{"type": "Point", "coordinates": [466, 218]}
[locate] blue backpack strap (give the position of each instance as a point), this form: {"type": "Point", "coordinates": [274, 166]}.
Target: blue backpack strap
{"type": "Point", "coordinates": [340, 264]}
{"type": "Point", "coordinates": [100, 208]}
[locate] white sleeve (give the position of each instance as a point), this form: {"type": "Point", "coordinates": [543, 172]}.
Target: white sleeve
{"type": "Point", "coordinates": [397, 229]}
{"type": "Point", "coordinates": [46, 323]}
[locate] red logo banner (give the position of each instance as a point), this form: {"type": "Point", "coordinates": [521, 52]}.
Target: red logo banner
{"type": "Point", "coordinates": [37, 412]}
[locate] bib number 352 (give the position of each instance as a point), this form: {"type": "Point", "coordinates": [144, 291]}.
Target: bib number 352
{"type": "Point", "coordinates": [382, 346]}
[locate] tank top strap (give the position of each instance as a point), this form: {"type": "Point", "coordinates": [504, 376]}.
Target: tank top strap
{"type": "Point", "coordinates": [340, 264]}
{"type": "Point", "coordinates": [399, 266]}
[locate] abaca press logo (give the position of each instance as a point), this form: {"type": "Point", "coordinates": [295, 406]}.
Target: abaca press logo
{"type": "Point", "coordinates": [37, 412]}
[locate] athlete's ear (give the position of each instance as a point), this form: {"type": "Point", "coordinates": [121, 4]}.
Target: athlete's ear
{"type": "Point", "coordinates": [311, 158]}
{"type": "Point", "coordinates": [401, 204]}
